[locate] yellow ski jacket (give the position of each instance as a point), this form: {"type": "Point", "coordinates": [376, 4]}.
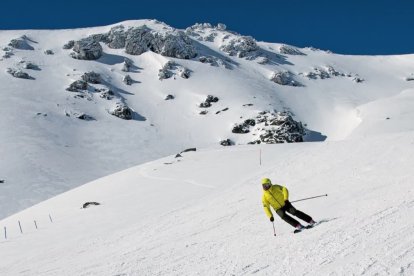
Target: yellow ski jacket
{"type": "Point", "coordinates": [274, 197]}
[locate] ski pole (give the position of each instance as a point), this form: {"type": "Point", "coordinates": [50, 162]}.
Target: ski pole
{"type": "Point", "coordinates": [274, 231]}
{"type": "Point", "coordinates": [309, 198]}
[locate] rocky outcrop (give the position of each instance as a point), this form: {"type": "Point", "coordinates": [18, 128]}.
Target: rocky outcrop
{"type": "Point", "coordinates": [21, 43]}
{"type": "Point", "coordinates": [290, 50]}
{"type": "Point", "coordinates": [226, 142]}
{"type": "Point", "coordinates": [207, 103]}
{"type": "Point", "coordinates": [28, 65]}
{"type": "Point", "coordinates": [49, 52]}
{"type": "Point", "coordinates": [69, 45]}
{"type": "Point", "coordinates": [116, 38]}
{"type": "Point", "coordinates": [122, 111]}
{"type": "Point", "coordinates": [214, 61]}
{"type": "Point", "coordinates": [87, 49]}
{"type": "Point", "coordinates": [77, 86]}
{"type": "Point", "coordinates": [171, 68]}
{"type": "Point", "coordinates": [283, 78]}
{"type": "Point", "coordinates": [138, 40]}
{"type": "Point", "coordinates": [127, 80]}
{"type": "Point", "coordinates": [240, 46]}
{"type": "Point", "coordinates": [272, 127]}
{"type": "Point", "coordinates": [169, 97]}
{"type": "Point", "coordinates": [91, 77]}
{"type": "Point", "coordinates": [126, 67]}
{"type": "Point", "coordinates": [17, 73]}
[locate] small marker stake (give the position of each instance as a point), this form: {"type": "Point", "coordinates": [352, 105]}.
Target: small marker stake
{"type": "Point", "coordinates": [35, 224]}
{"type": "Point", "coordinates": [20, 226]}
{"type": "Point", "coordinates": [50, 218]}
{"type": "Point", "coordinates": [5, 232]}
{"type": "Point", "coordinates": [260, 156]}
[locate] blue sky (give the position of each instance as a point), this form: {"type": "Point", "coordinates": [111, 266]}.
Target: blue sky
{"type": "Point", "coordinates": [346, 27]}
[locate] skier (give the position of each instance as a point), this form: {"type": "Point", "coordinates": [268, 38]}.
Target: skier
{"type": "Point", "coordinates": [278, 197]}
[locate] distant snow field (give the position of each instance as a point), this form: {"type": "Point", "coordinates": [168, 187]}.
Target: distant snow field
{"type": "Point", "coordinates": [112, 106]}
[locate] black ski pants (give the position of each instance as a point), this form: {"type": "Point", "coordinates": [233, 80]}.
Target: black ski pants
{"type": "Point", "coordinates": [288, 208]}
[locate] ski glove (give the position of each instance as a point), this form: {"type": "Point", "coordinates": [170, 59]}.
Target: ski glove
{"type": "Point", "coordinates": [272, 219]}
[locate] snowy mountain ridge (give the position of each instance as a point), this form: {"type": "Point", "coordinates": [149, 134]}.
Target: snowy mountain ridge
{"type": "Point", "coordinates": [58, 128]}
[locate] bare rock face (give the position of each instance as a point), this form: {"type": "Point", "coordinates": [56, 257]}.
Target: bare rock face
{"type": "Point", "coordinates": [127, 80]}
{"type": "Point", "coordinates": [87, 49]}
{"type": "Point", "coordinates": [272, 128]}
{"type": "Point", "coordinates": [138, 40]}
{"type": "Point", "coordinates": [21, 43]}
{"type": "Point", "coordinates": [240, 46]}
{"type": "Point", "coordinates": [69, 45]}
{"type": "Point", "coordinates": [171, 44]}
{"type": "Point", "coordinates": [17, 73]}
{"type": "Point", "coordinates": [226, 142]}
{"type": "Point", "coordinates": [283, 78]}
{"type": "Point", "coordinates": [77, 86]}
{"type": "Point", "coordinates": [174, 44]}
{"type": "Point", "coordinates": [290, 50]}
{"type": "Point", "coordinates": [171, 68]}
{"type": "Point", "coordinates": [122, 111]}
{"type": "Point", "coordinates": [91, 77]}
{"type": "Point", "coordinates": [207, 103]}
{"type": "Point", "coordinates": [116, 38]}
{"type": "Point", "coordinates": [28, 65]}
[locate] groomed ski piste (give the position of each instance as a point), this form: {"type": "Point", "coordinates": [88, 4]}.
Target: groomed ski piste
{"type": "Point", "coordinates": [201, 214]}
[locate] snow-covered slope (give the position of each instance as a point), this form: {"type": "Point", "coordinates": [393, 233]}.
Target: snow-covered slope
{"type": "Point", "coordinates": [47, 150]}
{"type": "Point", "coordinates": [202, 215]}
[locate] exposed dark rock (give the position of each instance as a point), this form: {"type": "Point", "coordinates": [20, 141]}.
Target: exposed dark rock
{"type": "Point", "coordinates": [226, 142]}
{"type": "Point", "coordinates": [240, 128]}
{"type": "Point", "coordinates": [28, 65]}
{"type": "Point", "coordinates": [203, 112]}
{"type": "Point", "coordinates": [358, 79]}
{"type": "Point", "coordinates": [207, 103]}
{"type": "Point", "coordinates": [87, 49]}
{"type": "Point", "coordinates": [127, 80]}
{"type": "Point", "coordinates": [290, 50]}
{"type": "Point", "coordinates": [17, 73]}
{"type": "Point", "coordinates": [122, 111]}
{"type": "Point", "coordinates": [69, 45]}
{"type": "Point", "coordinates": [87, 204]}
{"type": "Point", "coordinates": [91, 77]}
{"type": "Point", "coordinates": [21, 43]}
{"type": "Point", "coordinates": [116, 38]}
{"type": "Point", "coordinates": [126, 67]}
{"type": "Point", "coordinates": [250, 122]}
{"type": "Point", "coordinates": [240, 46]}
{"type": "Point", "coordinates": [2, 181]}
{"type": "Point", "coordinates": [283, 78]}
{"type": "Point", "coordinates": [138, 40]}
{"type": "Point", "coordinates": [83, 116]}
{"type": "Point", "coordinates": [49, 52]}
{"type": "Point", "coordinates": [410, 78]}
{"type": "Point", "coordinates": [169, 97]}
{"type": "Point", "coordinates": [77, 86]}
{"type": "Point", "coordinates": [170, 68]}
{"type": "Point", "coordinates": [107, 94]}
